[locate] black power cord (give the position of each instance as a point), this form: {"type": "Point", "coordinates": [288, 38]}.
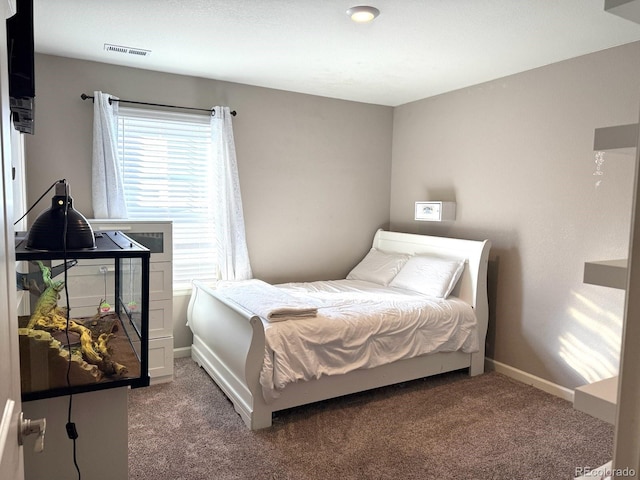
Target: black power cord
{"type": "Point", "coordinates": [38, 201]}
{"type": "Point", "coordinates": [72, 432]}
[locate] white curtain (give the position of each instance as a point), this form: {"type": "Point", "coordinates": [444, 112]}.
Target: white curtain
{"type": "Point", "coordinates": [107, 188]}
{"type": "Point", "coordinates": [9, 8]}
{"type": "Point", "coordinates": [233, 256]}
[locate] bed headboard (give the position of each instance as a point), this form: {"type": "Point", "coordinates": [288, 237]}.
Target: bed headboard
{"type": "Point", "coordinates": [472, 286]}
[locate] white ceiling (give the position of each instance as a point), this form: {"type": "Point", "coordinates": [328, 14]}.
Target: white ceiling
{"type": "Point", "coordinates": [414, 49]}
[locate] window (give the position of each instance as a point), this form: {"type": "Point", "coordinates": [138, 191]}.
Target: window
{"type": "Point", "coordinates": [167, 173]}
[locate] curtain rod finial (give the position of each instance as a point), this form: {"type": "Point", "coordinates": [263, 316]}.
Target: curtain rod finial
{"type": "Point", "coordinates": [232, 112]}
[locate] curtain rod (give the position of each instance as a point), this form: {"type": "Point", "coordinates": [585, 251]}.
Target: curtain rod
{"type": "Point", "coordinates": [84, 96]}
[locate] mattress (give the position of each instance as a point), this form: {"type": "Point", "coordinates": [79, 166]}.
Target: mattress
{"type": "Point", "coordinates": [360, 325]}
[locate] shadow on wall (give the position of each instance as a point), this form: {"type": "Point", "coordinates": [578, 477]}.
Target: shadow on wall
{"type": "Point", "coordinates": [437, 229]}
{"type": "Point", "coordinates": [492, 292]}
{"type": "Point", "coordinates": [504, 290]}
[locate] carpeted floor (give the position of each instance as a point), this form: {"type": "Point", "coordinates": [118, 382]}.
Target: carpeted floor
{"type": "Point", "coordinates": [447, 427]}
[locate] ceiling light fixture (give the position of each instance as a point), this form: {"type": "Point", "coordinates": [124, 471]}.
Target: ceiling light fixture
{"type": "Point", "coordinates": [363, 14]}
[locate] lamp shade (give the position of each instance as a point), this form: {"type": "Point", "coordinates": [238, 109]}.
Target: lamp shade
{"type": "Point", "coordinates": [47, 232]}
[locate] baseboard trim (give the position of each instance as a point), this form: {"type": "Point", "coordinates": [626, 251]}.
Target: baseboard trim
{"type": "Point", "coordinates": [182, 352]}
{"type": "Point", "coordinates": [524, 377]}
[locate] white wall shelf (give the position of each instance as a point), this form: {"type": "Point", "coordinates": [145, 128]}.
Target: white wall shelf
{"type": "Point", "coordinates": [598, 399]}
{"type": "Point", "coordinates": [607, 273]}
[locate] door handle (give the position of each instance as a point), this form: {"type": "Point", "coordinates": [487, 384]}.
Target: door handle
{"type": "Point", "coordinates": [29, 427]}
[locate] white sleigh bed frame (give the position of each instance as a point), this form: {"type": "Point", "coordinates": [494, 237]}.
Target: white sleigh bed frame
{"type": "Point", "coordinates": [229, 341]}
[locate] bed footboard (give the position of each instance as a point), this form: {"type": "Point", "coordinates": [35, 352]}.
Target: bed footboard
{"type": "Point", "coordinates": [229, 343]}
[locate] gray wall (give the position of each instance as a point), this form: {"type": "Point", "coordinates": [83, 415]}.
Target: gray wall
{"type": "Point", "coordinates": [314, 172]}
{"type": "Point", "coordinates": [516, 154]}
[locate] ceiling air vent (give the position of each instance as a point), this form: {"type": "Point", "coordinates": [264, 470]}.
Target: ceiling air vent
{"type": "Point", "coordinates": [140, 52]}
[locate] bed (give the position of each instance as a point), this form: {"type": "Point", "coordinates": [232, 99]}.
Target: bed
{"type": "Point", "coordinates": [234, 342]}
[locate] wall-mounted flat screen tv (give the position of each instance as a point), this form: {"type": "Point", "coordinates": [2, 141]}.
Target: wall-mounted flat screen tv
{"type": "Point", "coordinates": [20, 49]}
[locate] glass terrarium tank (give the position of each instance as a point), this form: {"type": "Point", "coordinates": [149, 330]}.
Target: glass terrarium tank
{"type": "Point", "coordinates": [83, 316]}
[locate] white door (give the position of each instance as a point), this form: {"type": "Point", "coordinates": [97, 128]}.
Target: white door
{"type": "Point", "coordinates": [11, 463]}
{"type": "Point", "coordinates": [11, 467]}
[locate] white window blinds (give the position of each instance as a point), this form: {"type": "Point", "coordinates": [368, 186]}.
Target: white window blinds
{"type": "Point", "coordinates": [167, 174]}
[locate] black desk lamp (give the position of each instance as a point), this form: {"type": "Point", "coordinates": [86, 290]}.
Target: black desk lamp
{"type": "Point", "coordinates": [47, 232]}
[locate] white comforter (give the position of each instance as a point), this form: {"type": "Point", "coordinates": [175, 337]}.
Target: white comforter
{"type": "Point", "coordinates": [360, 325]}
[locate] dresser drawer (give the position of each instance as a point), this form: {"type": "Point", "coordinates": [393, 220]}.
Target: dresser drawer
{"type": "Point", "coordinates": [160, 281]}
{"type": "Point", "coordinates": [160, 318]}
{"type": "Point", "coordinates": [161, 359]}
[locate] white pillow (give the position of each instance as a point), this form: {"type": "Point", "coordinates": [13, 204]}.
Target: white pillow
{"type": "Point", "coordinates": [378, 267]}
{"type": "Point", "coordinates": [430, 275]}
